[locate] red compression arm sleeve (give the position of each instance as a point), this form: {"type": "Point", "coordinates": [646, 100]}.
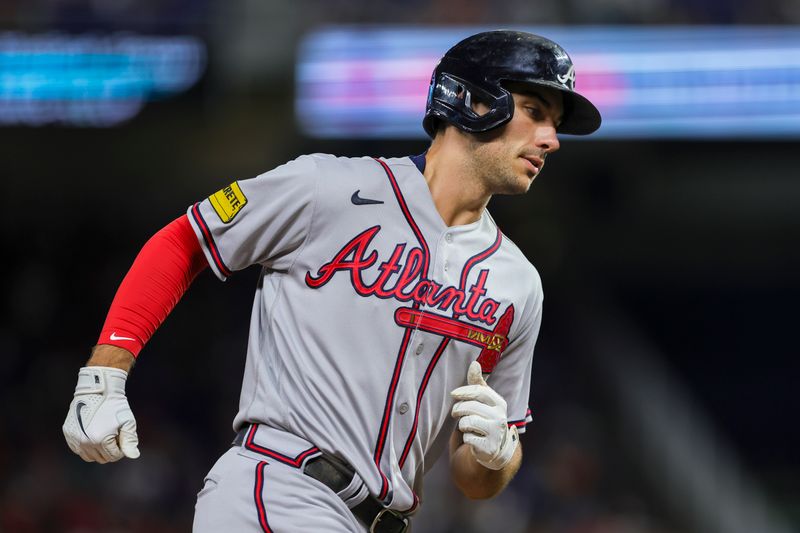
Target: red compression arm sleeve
{"type": "Point", "coordinates": [161, 273]}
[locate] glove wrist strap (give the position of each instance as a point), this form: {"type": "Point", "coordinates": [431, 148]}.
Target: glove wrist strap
{"type": "Point", "coordinates": [100, 380]}
{"type": "Point", "coordinates": [506, 452]}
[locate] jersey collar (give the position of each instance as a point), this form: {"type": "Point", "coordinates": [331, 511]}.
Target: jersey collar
{"type": "Point", "coordinates": [419, 160]}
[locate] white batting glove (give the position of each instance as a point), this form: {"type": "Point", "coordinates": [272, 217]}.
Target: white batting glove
{"type": "Point", "coordinates": [482, 418]}
{"type": "Point", "coordinates": [100, 425]}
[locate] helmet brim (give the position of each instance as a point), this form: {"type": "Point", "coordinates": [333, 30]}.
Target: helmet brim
{"type": "Point", "coordinates": [581, 117]}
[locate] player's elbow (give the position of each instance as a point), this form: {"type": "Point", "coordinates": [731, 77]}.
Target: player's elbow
{"type": "Point", "coordinates": [481, 487]}
{"type": "Point", "coordinates": [480, 492]}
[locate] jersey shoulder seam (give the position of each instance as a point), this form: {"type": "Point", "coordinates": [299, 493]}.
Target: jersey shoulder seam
{"type": "Point", "coordinates": [312, 218]}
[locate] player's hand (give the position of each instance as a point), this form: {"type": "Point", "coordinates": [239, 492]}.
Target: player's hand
{"type": "Point", "coordinates": [482, 418]}
{"type": "Point", "coordinates": [100, 425]}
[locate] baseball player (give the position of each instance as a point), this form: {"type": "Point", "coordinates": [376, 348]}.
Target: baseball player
{"type": "Point", "coordinates": [392, 319]}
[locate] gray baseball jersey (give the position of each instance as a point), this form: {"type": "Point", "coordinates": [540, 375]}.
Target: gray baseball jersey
{"type": "Point", "coordinates": [368, 311]}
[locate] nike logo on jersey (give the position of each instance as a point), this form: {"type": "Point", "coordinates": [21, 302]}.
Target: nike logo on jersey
{"type": "Point", "coordinates": [78, 407]}
{"type": "Point", "coordinates": [357, 200]}
{"type": "Point", "coordinates": [115, 337]}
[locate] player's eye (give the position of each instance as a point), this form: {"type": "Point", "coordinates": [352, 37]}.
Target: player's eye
{"type": "Point", "coordinates": [534, 112]}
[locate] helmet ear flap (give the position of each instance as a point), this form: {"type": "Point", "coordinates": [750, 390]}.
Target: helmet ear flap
{"type": "Point", "coordinates": [452, 99]}
{"type": "Point", "coordinates": [456, 94]}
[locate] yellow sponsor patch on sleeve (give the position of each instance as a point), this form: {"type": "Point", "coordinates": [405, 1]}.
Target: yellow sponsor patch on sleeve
{"type": "Point", "coordinates": [228, 201]}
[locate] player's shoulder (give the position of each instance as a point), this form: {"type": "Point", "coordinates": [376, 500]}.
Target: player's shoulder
{"type": "Point", "coordinates": [321, 165]}
{"type": "Point", "coordinates": [331, 161]}
{"type": "Point", "coordinates": [314, 160]}
{"type": "Point", "coordinates": [338, 172]}
{"type": "Point", "coordinates": [400, 162]}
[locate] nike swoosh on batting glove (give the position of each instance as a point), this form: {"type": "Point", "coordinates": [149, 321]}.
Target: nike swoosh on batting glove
{"type": "Point", "coordinates": [100, 426]}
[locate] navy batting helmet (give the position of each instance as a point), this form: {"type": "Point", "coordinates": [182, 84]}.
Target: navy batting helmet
{"type": "Point", "coordinates": [476, 69]}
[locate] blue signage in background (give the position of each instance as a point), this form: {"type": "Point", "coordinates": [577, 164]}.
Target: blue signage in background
{"type": "Point", "coordinates": [91, 80]}
{"type": "Point", "coordinates": [649, 82]}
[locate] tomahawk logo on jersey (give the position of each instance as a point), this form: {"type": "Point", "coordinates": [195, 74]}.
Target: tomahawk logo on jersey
{"type": "Point", "coordinates": [401, 278]}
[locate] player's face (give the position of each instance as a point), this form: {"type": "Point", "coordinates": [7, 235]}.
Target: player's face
{"type": "Point", "coordinates": [509, 158]}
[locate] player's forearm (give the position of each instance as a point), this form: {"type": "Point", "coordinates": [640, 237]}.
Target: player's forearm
{"type": "Point", "coordinates": [160, 275]}
{"type": "Point", "coordinates": [111, 356]}
{"type": "Point", "coordinates": [473, 479]}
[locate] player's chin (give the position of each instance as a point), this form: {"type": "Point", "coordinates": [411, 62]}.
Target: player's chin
{"type": "Point", "coordinates": [526, 185]}
{"type": "Point", "coordinates": [518, 185]}
{"type": "Point", "coordinates": [524, 180]}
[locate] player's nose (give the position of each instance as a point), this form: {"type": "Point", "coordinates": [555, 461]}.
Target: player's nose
{"type": "Point", "coordinates": [546, 139]}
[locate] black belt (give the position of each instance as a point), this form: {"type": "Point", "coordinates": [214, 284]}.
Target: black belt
{"type": "Point", "coordinates": [337, 475]}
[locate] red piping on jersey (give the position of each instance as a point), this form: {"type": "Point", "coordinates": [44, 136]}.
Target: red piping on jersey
{"type": "Point", "coordinates": [257, 495]}
{"type": "Point", "coordinates": [209, 240]}
{"type": "Point", "coordinates": [449, 328]}
{"type": "Point", "coordinates": [413, 505]}
{"type": "Point", "coordinates": [420, 393]}
{"type": "Point", "coordinates": [387, 410]}
{"type": "Point", "coordinates": [285, 459]}
{"type": "Point", "coordinates": [407, 213]}
{"type": "Point", "coordinates": [521, 423]}
{"type": "Point", "coordinates": [159, 276]}
{"type": "Point", "coordinates": [477, 258]}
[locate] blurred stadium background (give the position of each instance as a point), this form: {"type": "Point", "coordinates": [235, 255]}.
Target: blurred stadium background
{"type": "Point", "coordinates": [663, 388]}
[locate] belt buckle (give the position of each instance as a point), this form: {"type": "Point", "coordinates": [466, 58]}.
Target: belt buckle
{"type": "Point", "coordinates": [392, 513]}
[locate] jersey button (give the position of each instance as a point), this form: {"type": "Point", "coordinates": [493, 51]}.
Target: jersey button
{"type": "Point", "coordinates": [449, 238]}
{"type": "Point", "coordinates": [446, 266]}
{"type": "Point", "coordinates": [403, 408]}
{"type": "Point", "coordinates": [419, 349]}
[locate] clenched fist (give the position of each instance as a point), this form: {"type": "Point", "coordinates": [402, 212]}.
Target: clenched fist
{"type": "Point", "coordinates": [100, 426]}
{"type": "Point", "coordinates": [482, 418]}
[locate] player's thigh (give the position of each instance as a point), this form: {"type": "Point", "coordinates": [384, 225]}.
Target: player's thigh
{"type": "Point", "coordinates": [246, 494]}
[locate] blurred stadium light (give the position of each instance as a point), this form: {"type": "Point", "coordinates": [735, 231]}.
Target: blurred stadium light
{"type": "Point", "coordinates": [91, 80]}
{"type": "Point", "coordinates": [649, 82]}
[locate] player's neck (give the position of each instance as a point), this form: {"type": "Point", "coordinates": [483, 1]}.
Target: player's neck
{"type": "Point", "coordinates": [458, 196]}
